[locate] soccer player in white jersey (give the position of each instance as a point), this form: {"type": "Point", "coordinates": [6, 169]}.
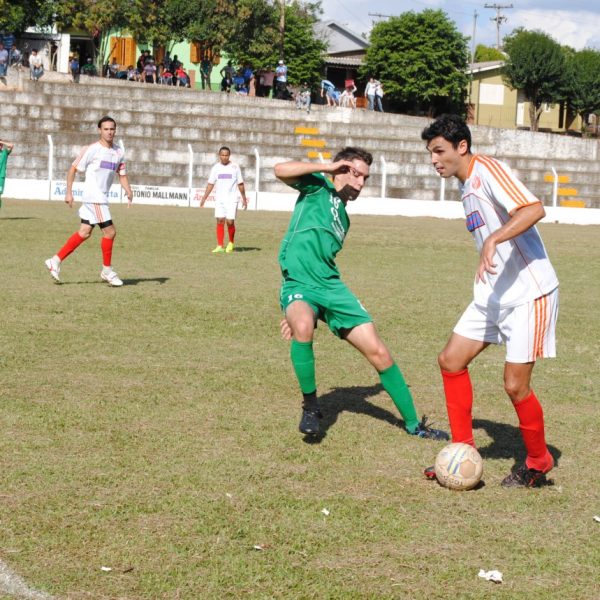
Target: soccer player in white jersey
{"type": "Point", "coordinates": [226, 179]}
{"type": "Point", "coordinates": [515, 293]}
{"type": "Point", "coordinates": [99, 161]}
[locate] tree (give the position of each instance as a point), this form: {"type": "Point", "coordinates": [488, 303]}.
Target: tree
{"type": "Point", "coordinates": [583, 75]}
{"type": "Point", "coordinates": [17, 15]}
{"type": "Point", "coordinates": [421, 59]}
{"type": "Point", "coordinates": [256, 38]}
{"type": "Point", "coordinates": [536, 66]}
{"type": "Point", "coordinates": [486, 54]}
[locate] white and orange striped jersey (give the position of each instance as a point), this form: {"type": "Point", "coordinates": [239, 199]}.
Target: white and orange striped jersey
{"type": "Point", "coordinates": [99, 164]}
{"type": "Point", "coordinates": [490, 195]}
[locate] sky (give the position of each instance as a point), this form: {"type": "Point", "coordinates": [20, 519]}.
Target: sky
{"type": "Point", "coordinates": [577, 26]}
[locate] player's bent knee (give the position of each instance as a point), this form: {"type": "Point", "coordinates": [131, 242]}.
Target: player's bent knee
{"type": "Point", "coordinates": [303, 330]}
{"type": "Point", "coordinates": [515, 389]}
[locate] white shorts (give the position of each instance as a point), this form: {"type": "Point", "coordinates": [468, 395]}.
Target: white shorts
{"type": "Point", "coordinates": [528, 330]}
{"type": "Point", "coordinates": [226, 208]}
{"type": "Point", "coordinates": [95, 213]}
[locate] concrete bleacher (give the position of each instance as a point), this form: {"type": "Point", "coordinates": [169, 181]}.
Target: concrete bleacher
{"type": "Point", "coordinates": [157, 124]}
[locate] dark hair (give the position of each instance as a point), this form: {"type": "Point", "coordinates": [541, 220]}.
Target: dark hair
{"type": "Point", "coordinates": [106, 119]}
{"type": "Point", "coordinates": [349, 153]}
{"type": "Point", "coordinates": [451, 127]}
{"type": "Point", "coordinates": [224, 148]}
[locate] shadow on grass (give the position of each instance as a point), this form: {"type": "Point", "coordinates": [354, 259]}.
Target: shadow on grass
{"type": "Point", "coordinates": [506, 442]}
{"type": "Point", "coordinates": [18, 218]}
{"type": "Point", "coordinates": [159, 280]}
{"type": "Point", "coordinates": [246, 249]}
{"type": "Point", "coordinates": [350, 399]}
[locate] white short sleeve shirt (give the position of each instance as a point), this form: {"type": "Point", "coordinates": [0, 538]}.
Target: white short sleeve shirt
{"type": "Point", "coordinates": [99, 164]}
{"type": "Point", "coordinates": [490, 195]}
{"type": "Point", "coordinates": [226, 179]}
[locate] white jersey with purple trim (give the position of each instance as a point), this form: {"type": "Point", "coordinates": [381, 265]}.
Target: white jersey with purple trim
{"type": "Point", "coordinates": [226, 179]}
{"type": "Point", "coordinates": [490, 195]}
{"type": "Point", "coordinates": [99, 163]}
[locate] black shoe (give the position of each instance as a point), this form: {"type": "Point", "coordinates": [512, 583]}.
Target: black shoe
{"type": "Point", "coordinates": [429, 472]}
{"type": "Point", "coordinates": [429, 433]}
{"type": "Point", "coordinates": [309, 423]}
{"type": "Point", "coordinates": [525, 477]}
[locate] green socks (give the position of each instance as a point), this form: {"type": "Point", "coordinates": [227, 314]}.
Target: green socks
{"type": "Point", "coordinates": [393, 383]}
{"type": "Point", "coordinates": [303, 360]}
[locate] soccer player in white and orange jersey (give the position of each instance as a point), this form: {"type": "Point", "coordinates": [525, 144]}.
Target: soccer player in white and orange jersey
{"type": "Point", "coordinates": [99, 161]}
{"type": "Point", "coordinates": [515, 292]}
{"type": "Point", "coordinates": [226, 179]}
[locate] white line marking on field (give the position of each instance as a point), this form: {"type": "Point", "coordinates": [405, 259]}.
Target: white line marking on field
{"type": "Point", "coordinates": [12, 584]}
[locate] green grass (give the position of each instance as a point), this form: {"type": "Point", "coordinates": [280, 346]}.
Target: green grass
{"type": "Point", "coordinates": [153, 428]}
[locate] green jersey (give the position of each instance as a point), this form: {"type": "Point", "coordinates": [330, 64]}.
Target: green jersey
{"type": "Point", "coordinates": [315, 235]}
{"type": "Point", "coordinates": [3, 158]}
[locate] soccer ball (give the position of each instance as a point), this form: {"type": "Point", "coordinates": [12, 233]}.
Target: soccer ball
{"type": "Point", "coordinates": [459, 467]}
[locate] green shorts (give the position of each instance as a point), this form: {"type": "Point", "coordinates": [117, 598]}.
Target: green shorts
{"type": "Point", "coordinates": [337, 306]}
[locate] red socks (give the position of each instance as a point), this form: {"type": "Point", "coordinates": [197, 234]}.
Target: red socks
{"type": "Point", "coordinates": [459, 403]}
{"type": "Point", "coordinates": [531, 424]}
{"type": "Point", "coordinates": [220, 233]}
{"type": "Point", "coordinates": [72, 243]}
{"type": "Point", "coordinates": [231, 232]}
{"type": "Point", "coordinates": [107, 245]}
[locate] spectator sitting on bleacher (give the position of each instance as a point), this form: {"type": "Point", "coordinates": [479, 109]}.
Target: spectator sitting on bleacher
{"type": "Point", "coordinates": [132, 74]}
{"type": "Point", "coordinates": [165, 76]}
{"type": "Point", "coordinates": [16, 58]}
{"type": "Point", "coordinates": [113, 69]}
{"type": "Point", "coordinates": [239, 82]}
{"type": "Point", "coordinates": [182, 77]}
{"type": "Point", "coordinates": [150, 71]}
{"type": "Point", "coordinates": [36, 66]}
{"type": "Point", "coordinates": [89, 68]}
{"type": "Point", "coordinates": [303, 98]}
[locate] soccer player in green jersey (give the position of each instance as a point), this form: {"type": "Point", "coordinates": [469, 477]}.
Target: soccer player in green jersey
{"type": "Point", "coordinates": [312, 288]}
{"type": "Point", "coordinates": [5, 150]}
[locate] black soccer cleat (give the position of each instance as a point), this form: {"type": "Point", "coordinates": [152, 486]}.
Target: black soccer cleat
{"type": "Point", "coordinates": [309, 423]}
{"type": "Point", "coordinates": [524, 477]}
{"type": "Point", "coordinates": [426, 432]}
{"type": "Point", "coordinates": [429, 472]}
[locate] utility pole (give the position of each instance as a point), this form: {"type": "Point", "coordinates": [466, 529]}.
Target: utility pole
{"type": "Point", "coordinates": [498, 18]}
{"type": "Point", "coordinates": [282, 30]}
{"type": "Point", "coordinates": [475, 15]}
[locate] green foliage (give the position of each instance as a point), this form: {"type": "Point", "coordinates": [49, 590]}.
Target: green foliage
{"type": "Point", "coordinates": [421, 59]}
{"type": "Point", "coordinates": [536, 66]}
{"type": "Point", "coordinates": [17, 15]}
{"type": "Point", "coordinates": [256, 39]}
{"type": "Point", "coordinates": [583, 74]}
{"type": "Point", "coordinates": [486, 54]}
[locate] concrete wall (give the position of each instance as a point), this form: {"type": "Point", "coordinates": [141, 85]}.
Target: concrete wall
{"type": "Point", "coordinates": [158, 125]}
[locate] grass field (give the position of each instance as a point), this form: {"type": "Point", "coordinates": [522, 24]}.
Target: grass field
{"type": "Point", "coordinates": [152, 429]}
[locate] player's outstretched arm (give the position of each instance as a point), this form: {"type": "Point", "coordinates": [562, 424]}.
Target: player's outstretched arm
{"type": "Point", "coordinates": [522, 220]}
{"type": "Point", "coordinates": [290, 172]}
